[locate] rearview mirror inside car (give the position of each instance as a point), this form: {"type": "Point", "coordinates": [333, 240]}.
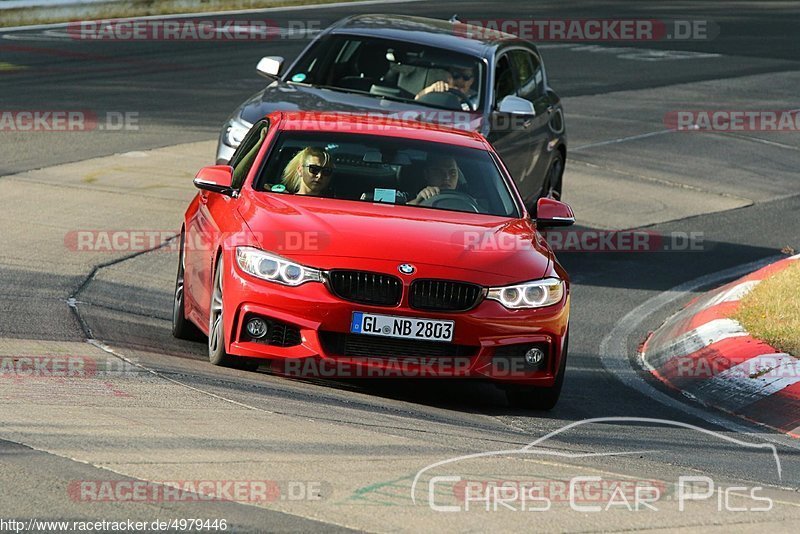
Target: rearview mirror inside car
{"type": "Point", "coordinates": [551, 213]}
{"type": "Point", "coordinates": [270, 66]}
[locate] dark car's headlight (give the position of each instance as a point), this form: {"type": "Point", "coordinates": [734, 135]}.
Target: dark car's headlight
{"type": "Point", "coordinates": [235, 132]}
{"type": "Point", "coordinates": [534, 294]}
{"type": "Point", "coordinates": [274, 268]}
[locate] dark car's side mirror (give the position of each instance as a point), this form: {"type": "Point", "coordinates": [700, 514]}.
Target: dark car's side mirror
{"type": "Point", "coordinates": [270, 66]}
{"type": "Point", "coordinates": [216, 178]}
{"type": "Point", "coordinates": [551, 213]}
{"type": "Point", "coordinates": [515, 105]}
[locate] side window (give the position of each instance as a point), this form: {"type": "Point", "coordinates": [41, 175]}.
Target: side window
{"type": "Point", "coordinates": [245, 155]}
{"type": "Point", "coordinates": [528, 73]}
{"type": "Point", "coordinates": [503, 79]}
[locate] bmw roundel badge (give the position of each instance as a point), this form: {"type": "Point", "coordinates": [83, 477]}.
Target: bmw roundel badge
{"type": "Point", "coordinates": [406, 268]}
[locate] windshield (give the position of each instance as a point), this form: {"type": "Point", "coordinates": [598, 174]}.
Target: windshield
{"type": "Point", "coordinates": [370, 168]}
{"type": "Point", "coordinates": [393, 69]}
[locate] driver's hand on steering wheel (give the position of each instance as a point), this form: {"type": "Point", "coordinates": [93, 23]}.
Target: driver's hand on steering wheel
{"type": "Point", "coordinates": [435, 87]}
{"type": "Point", "coordinates": [429, 192]}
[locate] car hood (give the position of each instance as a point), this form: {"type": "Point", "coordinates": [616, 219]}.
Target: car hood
{"type": "Point", "coordinates": [326, 234]}
{"type": "Point", "coordinates": [281, 96]}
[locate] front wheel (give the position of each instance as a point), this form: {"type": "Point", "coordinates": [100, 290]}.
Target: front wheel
{"type": "Point", "coordinates": [537, 398]}
{"type": "Point", "coordinates": [216, 329]}
{"type": "Point", "coordinates": [182, 328]}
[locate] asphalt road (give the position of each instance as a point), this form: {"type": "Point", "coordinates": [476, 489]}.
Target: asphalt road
{"type": "Point", "coordinates": [615, 95]}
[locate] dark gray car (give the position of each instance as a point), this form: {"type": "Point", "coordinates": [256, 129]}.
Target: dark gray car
{"type": "Point", "coordinates": [424, 69]}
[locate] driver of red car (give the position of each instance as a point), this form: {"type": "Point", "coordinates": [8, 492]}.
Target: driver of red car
{"type": "Point", "coordinates": [441, 173]}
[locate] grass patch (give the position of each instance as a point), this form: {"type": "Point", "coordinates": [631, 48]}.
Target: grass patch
{"type": "Point", "coordinates": [136, 8]}
{"type": "Point", "coordinates": [771, 312]}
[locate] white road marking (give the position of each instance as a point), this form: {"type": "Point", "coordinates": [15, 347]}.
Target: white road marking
{"type": "Point", "coordinates": [763, 141]}
{"type": "Point", "coordinates": [623, 139]}
{"type": "Point", "coordinates": [215, 13]}
{"type": "Point", "coordinates": [632, 53]}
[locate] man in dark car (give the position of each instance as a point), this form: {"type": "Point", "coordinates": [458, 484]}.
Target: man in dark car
{"type": "Point", "coordinates": [458, 80]}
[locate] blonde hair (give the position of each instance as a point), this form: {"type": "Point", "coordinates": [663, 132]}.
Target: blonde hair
{"type": "Point", "coordinates": [292, 178]}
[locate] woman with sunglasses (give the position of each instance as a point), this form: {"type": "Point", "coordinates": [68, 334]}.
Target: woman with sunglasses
{"type": "Point", "coordinates": [308, 172]}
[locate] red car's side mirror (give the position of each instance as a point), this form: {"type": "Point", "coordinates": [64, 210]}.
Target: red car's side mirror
{"type": "Point", "coordinates": [216, 178]}
{"type": "Point", "coordinates": [551, 212]}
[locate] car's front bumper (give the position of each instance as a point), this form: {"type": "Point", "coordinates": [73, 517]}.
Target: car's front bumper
{"type": "Point", "coordinates": [490, 339]}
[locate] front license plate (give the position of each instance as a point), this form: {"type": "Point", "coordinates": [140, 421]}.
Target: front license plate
{"type": "Point", "coordinates": [402, 327]}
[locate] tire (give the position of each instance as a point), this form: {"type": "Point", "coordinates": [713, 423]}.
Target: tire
{"type": "Point", "coordinates": [182, 328]}
{"type": "Point", "coordinates": [537, 398]}
{"type": "Point", "coordinates": [553, 183]}
{"type": "Point", "coordinates": [216, 329]}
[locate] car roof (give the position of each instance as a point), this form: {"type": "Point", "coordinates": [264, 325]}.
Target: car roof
{"type": "Point", "coordinates": [370, 124]}
{"type": "Point", "coordinates": [454, 36]}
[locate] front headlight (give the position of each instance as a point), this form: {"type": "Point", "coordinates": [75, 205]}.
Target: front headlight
{"type": "Point", "coordinates": [235, 132]}
{"type": "Point", "coordinates": [274, 268]}
{"type": "Point", "coordinates": [535, 294]}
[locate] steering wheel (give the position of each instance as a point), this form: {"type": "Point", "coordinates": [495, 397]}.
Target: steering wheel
{"type": "Point", "coordinates": [462, 98]}
{"type": "Point", "coordinates": [452, 199]}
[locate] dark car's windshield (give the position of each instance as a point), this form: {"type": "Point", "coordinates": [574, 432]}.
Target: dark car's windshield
{"type": "Point", "coordinates": [383, 169]}
{"type": "Point", "coordinates": [393, 69]}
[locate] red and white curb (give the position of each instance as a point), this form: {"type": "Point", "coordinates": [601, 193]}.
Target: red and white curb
{"type": "Point", "coordinates": [707, 356]}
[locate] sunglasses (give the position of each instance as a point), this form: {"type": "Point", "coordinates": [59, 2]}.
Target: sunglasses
{"type": "Point", "coordinates": [316, 169]}
{"type": "Point", "coordinates": [466, 76]}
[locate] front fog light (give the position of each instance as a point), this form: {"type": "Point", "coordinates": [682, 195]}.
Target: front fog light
{"type": "Point", "coordinates": [534, 356]}
{"type": "Point", "coordinates": [257, 327]}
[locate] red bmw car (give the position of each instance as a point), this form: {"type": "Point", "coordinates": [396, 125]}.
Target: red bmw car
{"type": "Point", "coordinates": [350, 245]}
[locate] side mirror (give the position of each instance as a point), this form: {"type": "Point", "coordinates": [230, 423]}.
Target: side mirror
{"type": "Point", "coordinates": [216, 178]}
{"type": "Point", "coordinates": [269, 66]}
{"type": "Point", "coordinates": [551, 213]}
{"type": "Point", "coordinates": [516, 106]}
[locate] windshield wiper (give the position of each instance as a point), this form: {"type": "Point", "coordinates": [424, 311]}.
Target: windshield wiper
{"type": "Point", "coordinates": [342, 89]}
{"type": "Point", "coordinates": [356, 91]}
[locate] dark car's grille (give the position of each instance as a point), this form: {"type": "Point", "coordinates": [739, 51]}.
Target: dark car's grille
{"type": "Point", "coordinates": [366, 288]}
{"type": "Point", "coordinates": [443, 295]}
{"type": "Point", "coordinates": [279, 334]}
{"type": "Point", "coordinates": [358, 345]}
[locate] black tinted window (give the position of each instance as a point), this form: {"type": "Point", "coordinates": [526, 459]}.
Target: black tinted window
{"type": "Point", "coordinates": [245, 155]}
{"type": "Point", "coordinates": [528, 74]}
